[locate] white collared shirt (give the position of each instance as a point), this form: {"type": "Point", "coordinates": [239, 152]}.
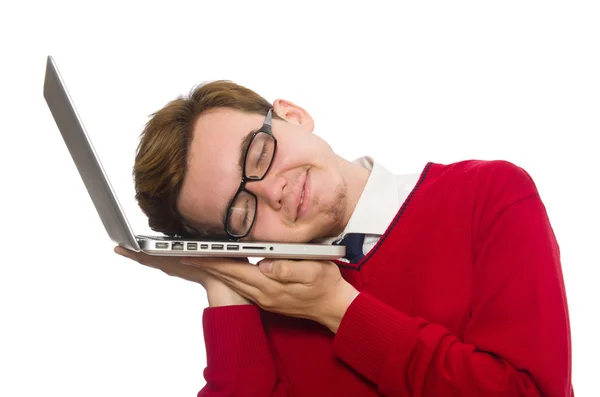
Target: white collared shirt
{"type": "Point", "coordinates": [378, 204]}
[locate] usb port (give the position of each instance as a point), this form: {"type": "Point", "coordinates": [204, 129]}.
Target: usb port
{"type": "Point", "coordinates": [177, 246]}
{"type": "Point", "coordinates": [192, 246]}
{"type": "Point", "coordinates": [233, 247]}
{"type": "Point", "coordinates": [203, 246]}
{"type": "Point", "coordinates": [162, 246]}
{"type": "Point", "coordinates": [217, 246]}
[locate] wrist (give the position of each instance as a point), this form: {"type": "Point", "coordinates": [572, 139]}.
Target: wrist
{"type": "Point", "coordinates": [222, 295]}
{"type": "Point", "coordinates": [342, 300]}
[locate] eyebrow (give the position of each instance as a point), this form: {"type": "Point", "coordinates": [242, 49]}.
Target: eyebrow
{"type": "Point", "coordinates": [244, 147]}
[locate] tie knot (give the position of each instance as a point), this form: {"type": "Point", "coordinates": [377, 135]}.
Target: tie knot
{"type": "Point", "coordinates": [354, 246]}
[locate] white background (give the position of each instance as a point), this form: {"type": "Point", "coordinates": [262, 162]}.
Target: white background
{"type": "Point", "coordinates": [406, 83]}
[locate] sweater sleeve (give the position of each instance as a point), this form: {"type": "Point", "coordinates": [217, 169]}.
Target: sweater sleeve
{"type": "Point", "coordinates": [239, 360]}
{"type": "Point", "coordinates": [517, 342]}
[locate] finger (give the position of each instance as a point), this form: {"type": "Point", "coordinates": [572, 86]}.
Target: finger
{"type": "Point", "coordinates": [176, 269]}
{"type": "Point", "coordinates": [203, 261]}
{"type": "Point", "coordinates": [287, 271]}
{"type": "Point", "coordinates": [127, 253]}
{"type": "Point", "coordinates": [247, 290]}
{"type": "Point", "coordinates": [142, 259]}
{"type": "Point", "coordinates": [157, 262]}
{"type": "Point", "coordinates": [244, 272]}
{"type": "Point", "coordinates": [123, 251]}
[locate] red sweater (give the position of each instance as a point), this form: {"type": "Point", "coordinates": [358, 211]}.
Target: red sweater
{"type": "Point", "coordinates": [462, 296]}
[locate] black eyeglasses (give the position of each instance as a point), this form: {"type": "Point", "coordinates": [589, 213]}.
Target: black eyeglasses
{"type": "Point", "coordinates": [241, 212]}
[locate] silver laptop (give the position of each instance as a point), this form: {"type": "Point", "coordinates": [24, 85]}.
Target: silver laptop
{"type": "Point", "coordinates": [110, 211]}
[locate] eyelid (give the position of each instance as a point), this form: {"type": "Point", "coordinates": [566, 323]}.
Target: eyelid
{"type": "Point", "coordinates": [262, 155]}
{"type": "Point", "coordinates": [246, 211]}
{"type": "Point", "coordinates": [243, 149]}
{"type": "Point", "coordinates": [240, 214]}
{"type": "Point", "coordinates": [245, 146]}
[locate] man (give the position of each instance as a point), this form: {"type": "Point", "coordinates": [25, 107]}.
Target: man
{"type": "Point", "coordinates": [453, 287]}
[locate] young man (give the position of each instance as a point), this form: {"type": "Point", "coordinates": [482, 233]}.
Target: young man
{"type": "Point", "coordinates": [453, 285]}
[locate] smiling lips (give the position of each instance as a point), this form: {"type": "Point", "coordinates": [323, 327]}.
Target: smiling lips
{"type": "Point", "coordinates": [301, 198]}
{"type": "Point", "coordinates": [301, 208]}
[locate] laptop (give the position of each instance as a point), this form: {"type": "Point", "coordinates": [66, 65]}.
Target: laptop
{"type": "Point", "coordinates": [109, 209]}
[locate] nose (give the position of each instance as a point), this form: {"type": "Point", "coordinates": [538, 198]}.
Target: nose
{"type": "Point", "coordinates": [269, 190]}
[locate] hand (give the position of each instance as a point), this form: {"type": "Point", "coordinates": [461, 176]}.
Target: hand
{"type": "Point", "coordinates": [307, 289]}
{"type": "Point", "coordinates": [218, 293]}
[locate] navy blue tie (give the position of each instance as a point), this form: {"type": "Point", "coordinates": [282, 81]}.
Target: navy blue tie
{"type": "Point", "coordinates": [354, 246]}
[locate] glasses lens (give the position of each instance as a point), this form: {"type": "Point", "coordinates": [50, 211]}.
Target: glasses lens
{"type": "Point", "coordinates": [241, 214]}
{"type": "Point", "coordinates": [260, 155]}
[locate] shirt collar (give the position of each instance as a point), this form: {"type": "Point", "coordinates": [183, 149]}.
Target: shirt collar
{"type": "Point", "coordinates": [382, 197]}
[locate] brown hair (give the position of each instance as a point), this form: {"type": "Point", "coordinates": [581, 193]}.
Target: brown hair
{"type": "Point", "coordinates": [162, 153]}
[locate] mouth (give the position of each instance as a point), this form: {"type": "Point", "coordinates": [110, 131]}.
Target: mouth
{"type": "Point", "coordinates": [303, 198]}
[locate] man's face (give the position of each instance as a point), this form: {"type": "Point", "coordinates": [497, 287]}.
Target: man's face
{"type": "Point", "coordinates": [303, 164]}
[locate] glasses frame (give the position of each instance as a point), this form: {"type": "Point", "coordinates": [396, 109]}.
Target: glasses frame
{"type": "Point", "coordinates": [265, 129]}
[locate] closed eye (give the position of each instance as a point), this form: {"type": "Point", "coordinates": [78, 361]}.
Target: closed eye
{"type": "Point", "coordinates": [247, 217]}
{"type": "Point", "coordinates": [262, 157]}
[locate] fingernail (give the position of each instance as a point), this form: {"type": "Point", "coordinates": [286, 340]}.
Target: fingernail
{"type": "Point", "coordinates": [265, 266]}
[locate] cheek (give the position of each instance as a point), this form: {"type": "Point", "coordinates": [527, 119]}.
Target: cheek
{"type": "Point", "coordinates": [324, 184]}
{"type": "Point", "coordinates": [267, 226]}
{"type": "Point", "coordinates": [303, 149]}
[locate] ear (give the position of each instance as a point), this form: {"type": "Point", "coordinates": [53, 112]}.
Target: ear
{"type": "Point", "coordinates": [294, 114]}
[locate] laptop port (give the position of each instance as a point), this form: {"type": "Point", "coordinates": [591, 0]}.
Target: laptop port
{"type": "Point", "coordinates": [176, 246]}
{"type": "Point", "coordinates": [192, 246]}
{"type": "Point", "coordinates": [162, 246]}
{"type": "Point", "coordinates": [217, 246]}
{"type": "Point", "coordinates": [246, 247]}
{"type": "Point", "coordinates": [203, 246]}
{"type": "Point", "coordinates": [233, 247]}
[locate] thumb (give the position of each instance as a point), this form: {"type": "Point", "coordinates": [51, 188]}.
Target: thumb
{"type": "Point", "coordinates": [286, 271]}
{"type": "Point", "coordinates": [266, 266]}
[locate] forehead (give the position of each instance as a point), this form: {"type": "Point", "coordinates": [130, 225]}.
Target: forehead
{"type": "Point", "coordinates": [213, 173]}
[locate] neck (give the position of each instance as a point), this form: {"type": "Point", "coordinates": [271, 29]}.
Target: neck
{"type": "Point", "coordinates": [356, 178]}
